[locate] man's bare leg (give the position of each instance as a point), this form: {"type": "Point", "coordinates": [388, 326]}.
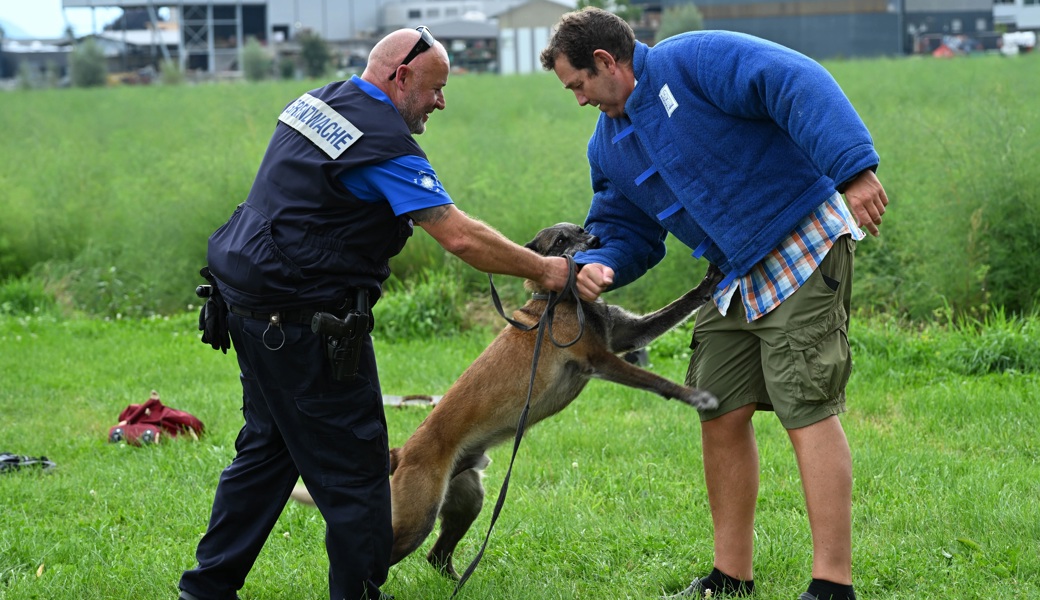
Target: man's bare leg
{"type": "Point", "coordinates": [825, 463]}
{"type": "Point", "coordinates": [731, 477]}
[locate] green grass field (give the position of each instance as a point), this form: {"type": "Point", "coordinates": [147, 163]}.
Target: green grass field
{"type": "Point", "coordinates": [606, 501]}
{"type": "Point", "coordinates": [110, 194]}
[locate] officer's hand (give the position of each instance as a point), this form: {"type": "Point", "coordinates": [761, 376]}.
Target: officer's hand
{"type": "Point", "coordinates": [555, 273]}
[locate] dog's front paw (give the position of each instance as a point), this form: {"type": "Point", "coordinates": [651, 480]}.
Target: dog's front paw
{"type": "Point", "coordinates": [701, 400]}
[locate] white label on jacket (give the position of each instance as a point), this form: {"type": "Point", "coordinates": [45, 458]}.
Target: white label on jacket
{"type": "Point", "coordinates": [668, 100]}
{"type": "Point", "coordinates": [322, 125]}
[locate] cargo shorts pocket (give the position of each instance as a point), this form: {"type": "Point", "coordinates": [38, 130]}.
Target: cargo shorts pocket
{"type": "Point", "coordinates": [821, 359]}
{"type": "Point", "coordinates": [349, 450]}
{"type": "Point", "coordinates": [691, 370]}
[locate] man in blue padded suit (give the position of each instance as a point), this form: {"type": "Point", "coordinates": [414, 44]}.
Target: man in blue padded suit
{"type": "Point", "coordinates": [741, 149]}
{"type": "Point", "coordinates": [337, 194]}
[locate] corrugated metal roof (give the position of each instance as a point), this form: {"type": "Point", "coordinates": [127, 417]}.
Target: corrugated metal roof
{"type": "Point", "coordinates": [31, 46]}
{"type": "Point", "coordinates": [571, 4]}
{"type": "Point", "coordinates": [143, 37]}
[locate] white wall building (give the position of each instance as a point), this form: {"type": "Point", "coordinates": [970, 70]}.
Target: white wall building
{"type": "Point", "coordinates": [1017, 14]}
{"type": "Point", "coordinates": [523, 31]}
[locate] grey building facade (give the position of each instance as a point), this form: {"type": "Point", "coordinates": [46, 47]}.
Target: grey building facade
{"type": "Point", "coordinates": [213, 32]}
{"type": "Point", "coordinates": [829, 29]}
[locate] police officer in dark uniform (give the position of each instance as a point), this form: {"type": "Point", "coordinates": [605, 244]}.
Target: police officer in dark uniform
{"type": "Point", "coordinates": [340, 187]}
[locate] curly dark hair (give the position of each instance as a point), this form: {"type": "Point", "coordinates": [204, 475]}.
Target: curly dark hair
{"type": "Point", "coordinates": [580, 33]}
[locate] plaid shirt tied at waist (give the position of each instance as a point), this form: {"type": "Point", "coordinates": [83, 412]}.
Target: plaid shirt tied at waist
{"type": "Point", "coordinates": [787, 267]}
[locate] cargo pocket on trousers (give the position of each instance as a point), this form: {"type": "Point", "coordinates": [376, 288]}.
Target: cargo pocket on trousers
{"type": "Point", "coordinates": [821, 361]}
{"type": "Point", "coordinates": [348, 451]}
{"type": "Point", "coordinates": [691, 370]}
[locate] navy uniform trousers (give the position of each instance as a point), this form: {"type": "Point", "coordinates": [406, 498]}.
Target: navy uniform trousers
{"type": "Point", "coordinates": [300, 422]}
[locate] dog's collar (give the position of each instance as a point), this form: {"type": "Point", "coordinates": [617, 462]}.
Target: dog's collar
{"type": "Point", "coordinates": [539, 296]}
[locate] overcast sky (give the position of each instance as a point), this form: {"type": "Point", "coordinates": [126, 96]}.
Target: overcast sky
{"type": "Point", "coordinates": [44, 19]}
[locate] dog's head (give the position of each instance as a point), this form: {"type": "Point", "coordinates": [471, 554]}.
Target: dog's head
{"type": "Point", "coordinates": [561, 239]}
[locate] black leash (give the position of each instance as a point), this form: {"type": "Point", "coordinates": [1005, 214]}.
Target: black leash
{"type": "Point", "coordinates": [544, 323]}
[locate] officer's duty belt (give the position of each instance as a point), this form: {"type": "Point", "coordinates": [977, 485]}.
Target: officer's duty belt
{"type": "Point", "coordinates": [301, 316]}
{"type": "Point", "coordinates": [297, 315]}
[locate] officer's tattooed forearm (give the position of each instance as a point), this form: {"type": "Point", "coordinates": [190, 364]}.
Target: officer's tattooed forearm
{"type": "Point", "coordinates": [434, 214]}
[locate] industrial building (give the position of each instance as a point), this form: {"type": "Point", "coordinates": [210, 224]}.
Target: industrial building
{"type": "Point", "coordinates": [505, 36]}
{"type": "Point", "coordinates": [828, 29]}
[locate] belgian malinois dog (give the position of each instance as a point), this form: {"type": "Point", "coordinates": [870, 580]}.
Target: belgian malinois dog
{"type": "Point", "coordinates": [438, 470]}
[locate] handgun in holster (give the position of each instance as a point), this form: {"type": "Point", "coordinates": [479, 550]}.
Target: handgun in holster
{"type": "Point", "coordinates": [344, 337]}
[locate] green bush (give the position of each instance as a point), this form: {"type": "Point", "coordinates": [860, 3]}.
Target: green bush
{"type": "Point", "coordinates": [680, 19]}
{"type": "Point", "coordinates": [9, 258]}
{"type": "Point", "coordinates": [1012, 233]}
{"type": "Point", "coordinates": [170, 73]}
{"type": "Point", "coordinates": [427, 306]}
{"type": "Point", "coordinates": [622, 8]}
{"type": "Point", "coordinates": [256, 62]}
{"type": "Point", "coordinates": [87, 65]}
{"type": "Point", "coordinates": [315, 54]}
{"type": "Point", "coordinates": [25, 296]}
{"type": "Point", "coordinates": [27, 80]}
{"type": "Point", "coordinates": [286, 68]}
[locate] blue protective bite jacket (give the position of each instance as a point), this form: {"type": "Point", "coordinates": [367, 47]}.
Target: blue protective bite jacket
{"type": "Point", "coordinates": [728, 142]}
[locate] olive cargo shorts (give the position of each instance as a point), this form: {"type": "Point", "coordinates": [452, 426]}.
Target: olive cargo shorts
{"type": "Point", "coordinates": [795, 360]}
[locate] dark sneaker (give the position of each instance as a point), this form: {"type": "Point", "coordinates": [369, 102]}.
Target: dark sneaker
{"type": "Point", "coordinates": [186, 596]}
{"type": "Point", "coordinates": [698, 589]}
{"type": "Point", "coordinates": [807, 596]}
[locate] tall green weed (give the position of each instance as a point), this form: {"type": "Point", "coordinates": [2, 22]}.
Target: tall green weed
{"type": "Point", "coordinates": [25, 296]}
{"type": "Point", "coordinates": [999, 343]}
{"type": "Point", "coordinates": [957, 141]}
{"type": "Point", "coordinates": [426, 306]}
{"type": "Point", "coordinates": [135, 180]}
{"type": "Point", "coordinates": [958, 346]}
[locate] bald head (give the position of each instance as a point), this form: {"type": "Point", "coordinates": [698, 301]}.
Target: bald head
{"type": "Point", "coordinates": [387, 54]}
{"type": "Point", "coordinates": [416, 87]}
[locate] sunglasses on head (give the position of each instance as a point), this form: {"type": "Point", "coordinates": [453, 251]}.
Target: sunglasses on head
{"type": "Point", "coordinates": [424, 43]}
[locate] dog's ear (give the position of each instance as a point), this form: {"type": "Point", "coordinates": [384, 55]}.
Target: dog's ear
{"type": "Point", "coordinates": [532, 245]}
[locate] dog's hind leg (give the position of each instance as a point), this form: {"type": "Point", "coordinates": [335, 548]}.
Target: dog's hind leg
{"type": "Point", "coordinates": [462, 504]}
{"type": "Point", "coordinates": [416, 494]}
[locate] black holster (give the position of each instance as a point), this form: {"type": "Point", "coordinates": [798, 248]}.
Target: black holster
{"type": "Point", "coordinates": [344, 337]}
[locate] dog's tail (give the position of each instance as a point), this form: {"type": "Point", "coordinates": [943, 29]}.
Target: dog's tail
{"type": "Point", "coordinates": [301, 495]}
